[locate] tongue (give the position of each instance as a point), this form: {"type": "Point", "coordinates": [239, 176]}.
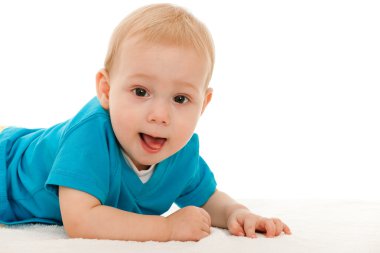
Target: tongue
{"type": "Point", "coordinates": [152, 142]}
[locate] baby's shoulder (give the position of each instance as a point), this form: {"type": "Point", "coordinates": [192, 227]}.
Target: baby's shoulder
{"type": "Point", "coordinates": [91, 115]}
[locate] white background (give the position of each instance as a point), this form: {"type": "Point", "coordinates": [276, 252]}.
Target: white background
{"type": "Point", "coordinates": [296, 104]}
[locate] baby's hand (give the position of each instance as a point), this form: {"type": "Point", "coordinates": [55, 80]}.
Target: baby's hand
{"type": "Point", "coordinates": [189, 224]}
{"type": "Point", "coordinates": [242, 222]}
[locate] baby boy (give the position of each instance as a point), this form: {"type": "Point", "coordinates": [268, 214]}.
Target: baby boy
{"type": "Point", "coordinates": [131, 152]}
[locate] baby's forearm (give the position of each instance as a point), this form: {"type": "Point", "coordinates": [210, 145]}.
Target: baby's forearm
{"type": "Point", "coordinates": [104, 222]}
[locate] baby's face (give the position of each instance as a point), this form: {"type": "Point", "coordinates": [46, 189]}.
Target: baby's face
{"type": "Point", "coordinates": [157, 94]}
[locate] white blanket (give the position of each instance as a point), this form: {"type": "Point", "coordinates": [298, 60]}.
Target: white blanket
{"type": "Point", "coordinates": [317, 226]}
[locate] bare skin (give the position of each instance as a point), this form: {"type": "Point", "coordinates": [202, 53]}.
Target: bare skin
{"type": "Point", "coordinates": [84, 217]}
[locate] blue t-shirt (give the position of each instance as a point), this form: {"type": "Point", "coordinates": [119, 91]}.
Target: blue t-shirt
{"type": "Point", "coordinates": [83, 153]}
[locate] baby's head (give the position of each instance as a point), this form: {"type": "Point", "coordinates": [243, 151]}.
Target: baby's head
{"type": "Point", "coordinates": [155, 81]}
{"type": "Point", "coordinates": [163, 23]}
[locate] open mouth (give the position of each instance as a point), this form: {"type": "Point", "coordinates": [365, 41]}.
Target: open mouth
{"type": "Point", "coordinates": [152, 144]}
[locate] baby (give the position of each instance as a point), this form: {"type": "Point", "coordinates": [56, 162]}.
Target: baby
{"type": "Point", "coordinates": [131, 152]}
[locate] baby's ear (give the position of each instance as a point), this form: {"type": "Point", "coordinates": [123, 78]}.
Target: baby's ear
{"type": "Point", "coordinates": [103, 88]}
{"type": "Point", "coordinates": [207, 99]}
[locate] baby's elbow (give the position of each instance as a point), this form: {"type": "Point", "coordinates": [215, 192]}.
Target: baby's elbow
{"type": "Point", "coordinates": [72, 233]}
{"type": "Point", "coordinates": [74, 230]}
{"type": "Point", "coordinates": [77, 228]}
{"type": "Point", "coordinates": [75, 209]}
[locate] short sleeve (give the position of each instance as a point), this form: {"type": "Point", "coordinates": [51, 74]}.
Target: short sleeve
{"type": "Point", "coordinates": [82, 161]}
{"type": "Point", "coordinates": [201, 184]}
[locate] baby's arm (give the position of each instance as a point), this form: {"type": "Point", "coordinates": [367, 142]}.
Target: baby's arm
{"type": "Point", "coordinates": [83, 216]}
{"type": "Point", "coordinates": [227, 213]}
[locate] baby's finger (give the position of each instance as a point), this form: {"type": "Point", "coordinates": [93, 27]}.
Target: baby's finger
{"type": "Point", "coordinates": [203, 235]}
{"type": "Point", "coordinates": [206, 215]}
{"type": "Point", "coordinates": [287, 230]}
{"type": "Point", "coordinates": [250, 228]}
{"type": "Point", "coordinates": [270, 227]}
{"type": "Point", "coordinates": [279, 226]}
{"type": "Point", "coordinates": [235, 228]}
{"type": "Point", "coordinates": [205, 228]}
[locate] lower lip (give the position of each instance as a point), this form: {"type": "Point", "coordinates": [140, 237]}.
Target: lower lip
{"type": "Point", "coordinates": [148, 148]}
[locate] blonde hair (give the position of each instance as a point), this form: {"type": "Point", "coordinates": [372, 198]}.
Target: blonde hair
{"type": "Point", "coordinates": [163, 23]}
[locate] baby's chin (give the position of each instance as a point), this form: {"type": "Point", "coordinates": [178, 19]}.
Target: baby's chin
{"type": "Point", "coordinates": [149, 160]}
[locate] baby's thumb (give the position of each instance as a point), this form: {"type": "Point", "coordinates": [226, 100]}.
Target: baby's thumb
{"type": "Point", "coordinates": [235, 228]}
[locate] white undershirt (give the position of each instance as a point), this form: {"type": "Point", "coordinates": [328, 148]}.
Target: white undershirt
{"type": "Point", "coordinates": [144, 175]}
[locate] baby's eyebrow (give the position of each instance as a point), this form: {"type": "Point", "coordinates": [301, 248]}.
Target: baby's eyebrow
{"type": "Point", "coordinates": [140, 75]}
{"type": "Point", "coordinates": [181, 83]}
{"type": "Point", "coordinates": [189, 85]}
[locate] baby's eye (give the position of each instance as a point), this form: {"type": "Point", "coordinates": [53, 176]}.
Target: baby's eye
{"type": "Point", "coordinates": [140, 92]}
{"type": "Point", "coordinates": [181, 99]}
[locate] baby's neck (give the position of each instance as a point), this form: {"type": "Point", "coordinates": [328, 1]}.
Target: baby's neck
{"type": "Point", "coordinates": [139, 167]}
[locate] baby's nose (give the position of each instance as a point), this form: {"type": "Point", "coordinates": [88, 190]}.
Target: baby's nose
{"type": "Point", "coordinates": [159, 114]}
